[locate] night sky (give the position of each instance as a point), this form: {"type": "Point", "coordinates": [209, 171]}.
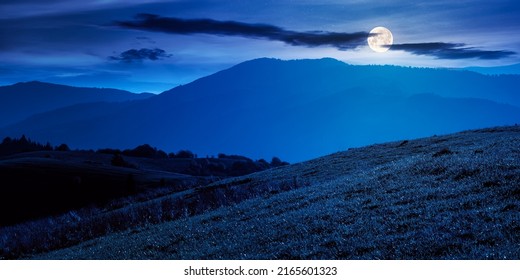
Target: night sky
{"type": "Point", "coordinates": [156, 45]}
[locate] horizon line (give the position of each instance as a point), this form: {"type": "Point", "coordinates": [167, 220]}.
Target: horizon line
{"type": "Point", "coordinates": [156, 92]}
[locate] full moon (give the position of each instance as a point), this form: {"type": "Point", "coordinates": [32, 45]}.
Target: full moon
{"type": "Point", "coordinates": [380, 39]}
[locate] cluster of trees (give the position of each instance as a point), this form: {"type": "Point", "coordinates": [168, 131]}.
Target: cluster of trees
{"type": "Point", "coordinates": [228, 164]}
{"type": "Point", "coordinates": [147, 151]}
{"type": "Point", "coordinates": [275, 161]}
{"type": "Point", "coordinates": [231, 165]}
{"type": "Point", "coordinates": [10, 146]}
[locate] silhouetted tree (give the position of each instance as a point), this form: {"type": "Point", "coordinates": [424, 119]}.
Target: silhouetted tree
{"type": "Point", "coordinates": [7, 141]}
{"type": "Point", "coordinates": [48, 147]}
{"type": "Point", "coordinates": [185, 154]}
{"type": "Point", "coordinates": [11, 146]}
{"type": "Point", "coordinates": [262, 164]}
{"type": "Point", "coordinates": [63, 148]}
{"type": "Point", "coordinates": [161, 154]}
{"type": "Point", "coordinates": [275, 162]}
{"type": "Point", "coordinates": [145, 151]}
{"type": "Point", "coordinates": [236, 157]}
{"type": "Point", "coordinates": [109, 151]}
{"type": "Point", "coordinates": [23, 140]}
{"type": "Point", "coordinates": [118, 160]}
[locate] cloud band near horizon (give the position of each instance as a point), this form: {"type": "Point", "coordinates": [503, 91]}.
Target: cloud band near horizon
{"type": "Point", "coordinates": [450, 51]}
{"type": "Point", "coordinates": [341, 41]}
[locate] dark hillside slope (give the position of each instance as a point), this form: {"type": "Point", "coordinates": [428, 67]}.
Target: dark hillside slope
{"type": "Point", "coordinates": [444, 197]}
{"type": "Point", "coordinates": [40, 184]}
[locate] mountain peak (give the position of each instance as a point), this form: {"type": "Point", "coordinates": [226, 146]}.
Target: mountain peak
{"type": "Point", "coordinates": [275, 61]}
{"type": "Point", "coordinates": [295, 109]}
{"type": "Point", "coordinates": [34, 83]}
{"type": "Point", "coordinates": [43, 85]}
{"type": "Point", "coordinates": [257, 72]}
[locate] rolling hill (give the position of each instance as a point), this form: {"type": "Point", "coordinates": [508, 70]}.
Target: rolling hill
{"type": "Point", "coordinates": [444, 197]}
{"type": "Point", "coordinates": [297, 110]}
{"type": "Point", "coordinates": [39, 181]}
{"type": "Point", "coordinates": [497, 70]}
{"type": "Point", "coordinates": [22, 100]}
{"type": "Point", "coordinates": [41, 184]}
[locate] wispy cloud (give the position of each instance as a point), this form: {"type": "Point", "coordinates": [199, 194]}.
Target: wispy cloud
{"type": "Point", "coordinates": [342, 41]}
{"type": "Point", "coordinates": [134, 55]}
{"type": "Point", "coordinates": [451, 51]}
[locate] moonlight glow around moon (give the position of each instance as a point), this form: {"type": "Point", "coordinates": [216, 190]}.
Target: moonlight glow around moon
{"type": "Point", "coordinates": [380, 39]}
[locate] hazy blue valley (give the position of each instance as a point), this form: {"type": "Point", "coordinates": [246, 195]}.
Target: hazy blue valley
{"type": "Point", "coordinates": [297, 110]}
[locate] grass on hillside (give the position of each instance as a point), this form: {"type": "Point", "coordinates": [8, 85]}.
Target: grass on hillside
{"type": "Point", "coordinates": [55, 199]}
{"type": "Point", "coordinates": [448, 197]}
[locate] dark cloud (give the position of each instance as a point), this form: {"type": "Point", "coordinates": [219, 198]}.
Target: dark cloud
{"type": "Point", "coordinates": [450, 51]}
{"type": "Point", "coordinates": [150, 22]}
{"type": "Point", "coordinates": [134, 55]}
{"type": "Point", "coordinates": [341, 41]}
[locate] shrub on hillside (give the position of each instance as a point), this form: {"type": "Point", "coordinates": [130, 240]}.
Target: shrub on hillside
{"type": "Point", "coordinates": [275, 162]}
{"type": "Point", "coordinates": [145, 151]}
{"type": "Point", "coordinates": [185, 154]}
{"type": "Point", "coordinates": [235, 157]}
{"type": "Point", "coordinates": [62, 148]}
{"type": "Point", "coordinates": [263, 164]}
{"type": "Point", "coordinates": [109, 151]}
{"type": "Point", "coordinates": [118, 160]}
{"type": "Point", "coordinates": [10, 146]}
{"type": "Point", "coordinates": [443, 152]}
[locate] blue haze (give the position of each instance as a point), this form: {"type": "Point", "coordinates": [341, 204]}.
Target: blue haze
{"type": "Point", "coordinates": [296, 110]}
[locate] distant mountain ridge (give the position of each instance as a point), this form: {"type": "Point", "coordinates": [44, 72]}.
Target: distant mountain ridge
{"type": "Point", "coordinates": [513, 69]}
{"type": "Point", "coordinates": [296, 109]}
{"type": "Point", "coordinates": [25, 99]}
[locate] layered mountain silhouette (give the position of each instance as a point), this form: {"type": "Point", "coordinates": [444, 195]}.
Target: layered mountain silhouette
{"type": "Point", "coordinates": [513, 69]}
{"type": "Point", "coordinates": [296, 109]}
{"type": "Point", "coordinates": [22, 100]}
